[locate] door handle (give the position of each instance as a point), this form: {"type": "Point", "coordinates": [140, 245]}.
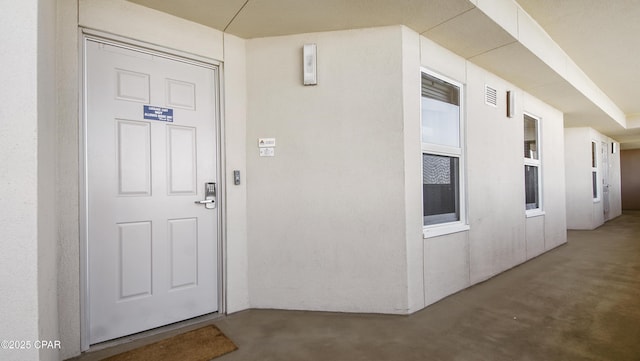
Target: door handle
{"type": "Point", "coordinates": [206, 201]}
{"type": "Point", "coordinates": [209, 200]}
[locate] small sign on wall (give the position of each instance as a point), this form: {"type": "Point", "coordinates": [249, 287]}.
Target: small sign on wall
{"type": "Point", "coordinates": [267, 152]}
{"type": "Point", "coordinates": [158, 113]}
{"type": "Point", "coordinates": [267, 147]}
{"type": "Point", "coordinates": [266, 142]}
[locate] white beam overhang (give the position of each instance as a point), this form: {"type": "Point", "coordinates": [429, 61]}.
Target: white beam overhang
{"type": "Point", "coordinates": [531, 60]}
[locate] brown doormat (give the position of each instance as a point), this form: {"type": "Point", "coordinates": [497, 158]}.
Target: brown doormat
{"type": "Point", "coordinates": [202, 344]}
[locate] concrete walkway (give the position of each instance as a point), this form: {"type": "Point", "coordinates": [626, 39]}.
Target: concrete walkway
{"type": "Point", "coordinates": [580, 301]}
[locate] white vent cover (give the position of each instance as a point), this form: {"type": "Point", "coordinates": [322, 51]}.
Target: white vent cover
{"type": "Point", "coordinates": [490, 96]}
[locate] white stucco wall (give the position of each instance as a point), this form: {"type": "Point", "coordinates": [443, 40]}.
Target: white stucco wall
{"type": "Point", "coordinates": [19, 175]}
{"type": "Point", "coordinates": [67, 197]}
{"type": "Point", "coordinates": [47, 215]}
{"type": "Point", "coordinates": [615, 179]}
{"type": "Point", "coordinates": [583, 212]}
{"type": "Point", "coordinates": [446, 258]}
{"type": "Point", "coordinates": [578, 174]}
{"type": "Point", "coordinates": [28, 308]}
{"type": "Point", "coordinates": [327, 213]}
{"type": "Point", "coordinates": [553, 226]}
{"type": "Point", "coordinates": [500, 234]}
{"type": "Point", "coordinates": [495, 173]}
{"type": "Point", "coordinates": [307, 204]}
{"type": "Point", "coordinates": [235, 130]}
{"type": "Point", "coordinates": [411, 81]}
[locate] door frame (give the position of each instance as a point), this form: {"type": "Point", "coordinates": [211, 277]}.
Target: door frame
{"type": "Point", "coordinates": [217, 67]}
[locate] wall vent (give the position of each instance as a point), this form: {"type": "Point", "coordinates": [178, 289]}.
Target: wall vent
{"type": "Point", "coordinates": [490, 96]}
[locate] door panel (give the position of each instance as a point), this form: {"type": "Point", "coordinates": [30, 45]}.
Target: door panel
{"type": "Point", "coordinates": [183, 238]}
{"type": "Point", "coordinates": [134, 259]}
{"type": "Point", "coordinates": [134, 158]}
{"type": "Point", "coordinates": [152, 250]}
{"type": "Point", "coordinates": [181, 142]}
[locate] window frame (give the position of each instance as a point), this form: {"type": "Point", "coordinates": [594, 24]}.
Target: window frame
{"type": "Point", "coordinates": [595, 187]}
{"type": "Point", "coordinates": [537, 163]}
{"type": "Point", "coordinates": [451, 217]}
{"type": "Point", "coordinates": [460, 225]}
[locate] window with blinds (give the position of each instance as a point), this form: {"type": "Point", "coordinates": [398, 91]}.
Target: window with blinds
{"type": "Point", "coordinates": [439, 90]}
{"type": "Point", "coordinates": [441, 152]}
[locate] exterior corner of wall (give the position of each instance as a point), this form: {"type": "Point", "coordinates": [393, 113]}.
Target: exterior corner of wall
{"type": "Point", "coordinates": [235, 132]}
{"type": "Point", "coordinates": [67, 178]}
{"type": "Point", "coordinates": [412, 169]}
{"type": "Point", "coordinates": [46, 263]}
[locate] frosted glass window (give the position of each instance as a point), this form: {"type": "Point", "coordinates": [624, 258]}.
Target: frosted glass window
{"type": "Point", "coordinates": [440, 189]}
{"type": "Point", "coordinates": [440, 122]}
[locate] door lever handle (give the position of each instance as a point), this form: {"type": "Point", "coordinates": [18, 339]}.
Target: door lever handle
{"type": "Point", "coordinates": [209, 200]}
{"type": "Point", "coordinates": [205, 201]}
{"type": "Point", "coordinates": [209, 203]}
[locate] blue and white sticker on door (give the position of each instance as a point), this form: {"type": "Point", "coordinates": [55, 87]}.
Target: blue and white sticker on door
{"type": "Point", "coordinates": [158, 113]}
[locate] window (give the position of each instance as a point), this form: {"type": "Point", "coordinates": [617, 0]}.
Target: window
{"type": "Point", "coordinates": [532, 163]}
{"type": "Point", "coordinates": [440, 189]}
{"type": "Point", "coordinates": [594, 171]}
{"type": "Point", "coordinates": [441, 152]}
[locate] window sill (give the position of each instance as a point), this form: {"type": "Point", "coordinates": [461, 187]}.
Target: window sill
{"type": "Point", "coordinates": [596, 200]}
{"type": "Point", "coordinates": [534, 213]}
{"type": "Point", "coordinates": [441, 230]}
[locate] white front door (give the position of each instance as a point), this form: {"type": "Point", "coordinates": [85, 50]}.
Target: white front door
{"type": "Point", "coordinates": [150, 150]}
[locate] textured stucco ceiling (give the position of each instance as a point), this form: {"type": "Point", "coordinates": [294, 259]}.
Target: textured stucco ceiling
{"type": "Point", "coordinates": [261, 18]}
{"type": "Point", "coordinates": [599, 36]}
{"type": "Point", "coordinates": [602, 37]}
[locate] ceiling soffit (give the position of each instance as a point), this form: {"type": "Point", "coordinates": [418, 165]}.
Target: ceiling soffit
{"type": "Point", "coordinates": [264, 18]}
{"type": "Point", "coordinates": [599, 35]}
{"type": "Point", "coordinates": [215, 14]}
{"type": "Point", "coordinates": [261, 18]}
{"type": "Point", "coordinates": [476, 37]}
{"type": "Point", "coordinates": [454, 24]}
{"type": "Point", "coordinates": [470, 34]}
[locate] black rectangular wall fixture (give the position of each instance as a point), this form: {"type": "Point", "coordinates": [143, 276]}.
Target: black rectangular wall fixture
{"type": "Point", "coordinates": [510, 103]}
